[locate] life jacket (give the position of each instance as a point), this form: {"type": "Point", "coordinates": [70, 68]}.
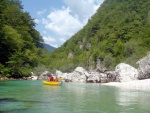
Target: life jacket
{"type": "Point", "coordinates": [51, 78]}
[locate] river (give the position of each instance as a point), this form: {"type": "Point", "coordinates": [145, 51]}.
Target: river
{"type": "Point", "coordinates": [34, 97]}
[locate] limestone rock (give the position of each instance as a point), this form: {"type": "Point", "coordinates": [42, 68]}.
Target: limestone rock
{"type": "Point", "coordinates": [70, 56]}
{"type": "Point", "coordinates": [144, 67]}
{"type": "Point", "coordinates": [44, 75]}
{"type": "Point", "coordinates": [79, 75]}
{"type": "Point", "coordinates": [126, 72]}
{"type": "Point", "coordinates": [88, 46]}
{"type": "Point", "coordinates": [111, 76]}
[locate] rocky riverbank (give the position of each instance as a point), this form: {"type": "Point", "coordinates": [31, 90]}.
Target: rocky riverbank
{"type": "Point", "coordinates": [124, 75]}
{"type": "Point", "coordinates": [6, 78]}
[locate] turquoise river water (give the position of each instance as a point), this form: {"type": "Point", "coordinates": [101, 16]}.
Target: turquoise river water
{"type": "Point", "coordinates": [34, 97]}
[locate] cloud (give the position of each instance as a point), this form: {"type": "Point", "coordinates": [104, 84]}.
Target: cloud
{"type": "Point", "coordinates": [63, 23]}
{"type": "Point", "coordinates": [50, 40]}
{"type": "Point", "coordinates": [44, 21]}
{"type": "Point", "coordinates": [36, 21]}
{"type": "Point", "coordinates": [67, 20]}
{"type": "Point", "coordinates": [40, 13]}
{"type": "Point", "coordinates": [44, 32]}
{"type": "Point", "coordinates": [83, 8]}
{"type": "Point", "coordinates": [62, 40]}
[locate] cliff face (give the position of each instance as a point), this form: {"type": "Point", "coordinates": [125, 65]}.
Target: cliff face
{"type": "Point", "coordinates": [118, 32]}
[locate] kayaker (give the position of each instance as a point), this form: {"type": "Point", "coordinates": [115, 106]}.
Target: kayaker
{"type": "Point", "coordinates": [51, 78]}
{"type": "Point", "coordinates": [56, 79]}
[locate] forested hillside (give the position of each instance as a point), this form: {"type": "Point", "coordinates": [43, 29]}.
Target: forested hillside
{"type": "Point", "coordinates": [20, 43]}
{"type": "Point", "coordinates": [118, 32]}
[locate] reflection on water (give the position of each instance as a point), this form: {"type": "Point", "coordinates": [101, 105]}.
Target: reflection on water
{"type": "Point", "coordinates": [133, 100]}
{"type": "Point", "coordinates": [33, 96]}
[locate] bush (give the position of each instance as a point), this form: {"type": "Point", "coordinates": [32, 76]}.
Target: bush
{"type": "Point", "coordinates": [5, 72]}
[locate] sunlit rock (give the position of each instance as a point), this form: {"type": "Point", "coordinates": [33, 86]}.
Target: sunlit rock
{"type": "Point", "coordinates": [44, 75]}
{"type": "Point", "coordinates": [94, 77]}
{"type": "Point", "coordinates": [144, 67]}
{"type": "Point", "coordinates": [79, 75]}
{"type": "Point", "coordinates": [34, 77]}
{"type": "Point", "coordinates": [126, 72]}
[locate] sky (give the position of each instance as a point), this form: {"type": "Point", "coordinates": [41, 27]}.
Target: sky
{"type": "Point", "coordinates": [58, 20]}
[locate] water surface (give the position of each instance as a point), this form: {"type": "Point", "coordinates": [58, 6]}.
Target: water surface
{"type": "Point", "coordinates": [34, 97]}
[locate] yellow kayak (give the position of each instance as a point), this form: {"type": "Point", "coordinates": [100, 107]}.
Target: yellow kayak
{"type": "Point", "coordinates": [53, 83]}
{"type": "Point", "coordinates": [60, 78]}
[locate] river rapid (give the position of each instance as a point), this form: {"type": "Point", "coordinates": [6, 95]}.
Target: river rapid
{"type": "Point", "coordinates": [27, 96]}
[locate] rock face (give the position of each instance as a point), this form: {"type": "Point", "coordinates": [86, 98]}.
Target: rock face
{"type": "Point", "coordinates": [70, 56]}
{"type": "Point", "coordinates": [94, 77]}
{"type": "Point", "coordinates": [126, 72]}
{"type": "Point", "coordinates": [65, 76]}
{"type": "Point", "coordinates": [144, 67]}
{"type": "Point", "coordinates": [33, 76]}
{"type": "Point", "coordinates": [112, 76]}
{"type": "Point", "coordinates": [88, 46]}
{"type": "Point", "coordinates": [78, 75]}
{"type": "Point", "coordinates": [81, 75]}
{"type": "Point", "coordinates": [44, 75]}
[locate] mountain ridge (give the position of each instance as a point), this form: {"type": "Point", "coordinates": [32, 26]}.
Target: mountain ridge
{"type": "Point", "coordinates": [49, 47]}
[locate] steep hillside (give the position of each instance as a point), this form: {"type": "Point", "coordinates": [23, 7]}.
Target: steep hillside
{"type": "Point", "coordinates": [118, 32]}
{"type": "Point", "coordinates": [49, 47]}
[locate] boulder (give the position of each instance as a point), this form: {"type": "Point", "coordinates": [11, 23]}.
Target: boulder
{"type": "Point", "coordinates": [44, 76]}
{"type": "Point", "coordinates": [33, 77]}
{"type": "Point", "coordinates": [79, 75]}
{"type": "Point", "coordinates": [94, 77]}
{"type": "Point", "coordinates": [126, 72]}
{"type": "Point", "coordinates": [111, 76]}
{"type": "Point", "coordinates": [144, 67]}
{"type": "Point", "coordinates": [62, 75]}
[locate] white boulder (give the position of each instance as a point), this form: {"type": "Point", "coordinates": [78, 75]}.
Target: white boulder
{"type": "Point", "coordinates": [44, 75]}
{"type": "Point", "coordinates": [79, 75]}
{"type": "Point", "coordinates": [144, 67]}
{"type": "Point", "coordinates": [126, 72]}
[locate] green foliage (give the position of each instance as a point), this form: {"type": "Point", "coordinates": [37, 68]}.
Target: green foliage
{"type": "Point", "coordinates": [12, 38]}
{"type": "Point", "coordinates": [20, 43]}
{"type": "Point", "coordinates": [40, 69]}
{"type": "Point", "coordinates": [4, 71]}
{"type": "Point", "coordinates": [118, 32]}
{"type": "Point", "coordinates": [108, 61]}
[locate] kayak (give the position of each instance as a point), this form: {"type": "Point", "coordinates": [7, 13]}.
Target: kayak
{"type": "Point", "coordinates": [60, 78]}
{"type": "Point", "coordinates": [52, 83]}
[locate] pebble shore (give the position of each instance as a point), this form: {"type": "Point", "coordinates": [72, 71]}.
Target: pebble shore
{"type": "Point", "coordinates": [136, 84]}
